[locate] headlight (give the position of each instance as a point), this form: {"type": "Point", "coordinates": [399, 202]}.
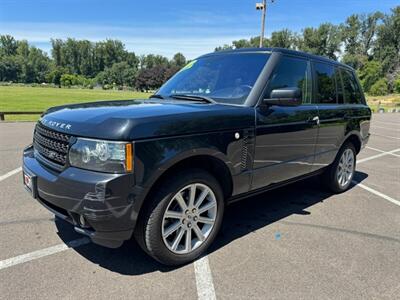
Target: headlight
{"type": "Point", "coordinates": [103, 156]}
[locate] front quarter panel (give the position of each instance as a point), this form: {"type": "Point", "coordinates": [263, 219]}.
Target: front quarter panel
{"type": "Point", "coordinates": [154, 157]}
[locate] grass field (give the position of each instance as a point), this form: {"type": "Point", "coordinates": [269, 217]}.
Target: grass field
{"type": "Point", "coordinates": [20, 98]}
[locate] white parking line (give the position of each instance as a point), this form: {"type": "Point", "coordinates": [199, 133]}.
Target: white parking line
{"type": "Point", "coordinates": [41, 253]}
{"type": "Point", "coordinates": [386, 197]}
{"type": "Point", "coordinates": [390, 123]}
{"type": "Point", "coordinates": [393, 129]}
{"type": "Point", "coordinates": [204, 282]}
{"type": "Point", "coordinates": [11, 173]}
{"type": "Point", "coordinates": [387, 136]}
{"type": "Point", "coordinates": [384, 153]}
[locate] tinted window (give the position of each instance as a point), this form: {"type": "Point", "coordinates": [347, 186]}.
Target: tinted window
{"type": "Point", "coordinates": [326, 87]}
{"type": "Point", "coordinates": [225, 78]}
{"type": "Point", "coordinates": [292, 72]}
{"type": "Point", "coordinates": [352, 93]}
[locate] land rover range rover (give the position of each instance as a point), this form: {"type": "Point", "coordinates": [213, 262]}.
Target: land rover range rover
{"type": "Point", "coordinates": [228, 125]}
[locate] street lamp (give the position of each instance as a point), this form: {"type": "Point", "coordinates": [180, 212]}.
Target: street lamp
{"type": "Point", "coordinates": [263, 7]}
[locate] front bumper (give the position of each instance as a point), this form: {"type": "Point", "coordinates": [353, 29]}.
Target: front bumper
{"type": "Point", "coordinates": [104, 202]}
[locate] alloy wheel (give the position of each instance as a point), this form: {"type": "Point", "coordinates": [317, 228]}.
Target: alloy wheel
{"type": "Point", "coordinates": [345, 168]}
{"type": "Point", "coordinates": [189, 218]}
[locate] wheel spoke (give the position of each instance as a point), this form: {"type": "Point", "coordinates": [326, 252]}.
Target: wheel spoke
{"type": "Point", "coordinates": [206, 207]}
{"type": "Point", "coordinates": [205, 220]}
{"type": "Point", "coordinates": [172, 228]}
{"type": "Point", "coordinates": [181, 201]}
{"type": "Point", "coordinates": [173, 214]}
{"type": "Point", "coordinates": [178, 238]}
{"type": "Point", "coordinates": [198, 232]}
{"type": "Point", "coordinates": [201, 198]}
{"type": "Point", "coordinates": [188, 240]}
{"type": "Point", "coordinates": [192, 195]}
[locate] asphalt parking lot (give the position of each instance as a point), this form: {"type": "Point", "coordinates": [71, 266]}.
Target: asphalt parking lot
{"type": "Point", "coordinates": [295, 242]}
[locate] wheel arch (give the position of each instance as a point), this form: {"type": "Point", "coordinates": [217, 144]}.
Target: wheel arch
{"type": "Point", "coordinates": [354, 138]}
{"type": "Point", "coordinates": [205, 161]}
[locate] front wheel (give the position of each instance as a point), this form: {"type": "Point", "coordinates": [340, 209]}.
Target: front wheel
{"type": "Point", "coordinates": [339, 175]}
{"type": "Point", "coordinates": [182, 218]}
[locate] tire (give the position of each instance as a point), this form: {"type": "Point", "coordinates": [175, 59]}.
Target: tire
{"type": "Point", "coordinates": [154, 229]}
{"type": "Point", "coordinates": [332, 177]}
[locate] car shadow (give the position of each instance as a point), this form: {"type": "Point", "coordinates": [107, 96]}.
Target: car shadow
{"type": "Point", "coordinates": [241, 218]}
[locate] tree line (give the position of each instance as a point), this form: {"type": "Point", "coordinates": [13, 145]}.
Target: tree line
{"type": "Point", "coordinates": [370, 43]}
{"type": "Point", "coordinates": [84, 63]}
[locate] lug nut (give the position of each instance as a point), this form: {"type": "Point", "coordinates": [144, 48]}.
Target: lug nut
{"type": "Point", "coordinates": [189, 225]}
{"type": "Point", "coordinates": [195, 218]}
{"type": "Point", "coordinates": [193, 210]}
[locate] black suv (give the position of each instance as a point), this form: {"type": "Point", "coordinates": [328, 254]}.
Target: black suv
{"type": "Point", "coordinates": [228, 125]}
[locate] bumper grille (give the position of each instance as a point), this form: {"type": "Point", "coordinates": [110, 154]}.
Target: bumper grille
{"type": "Point", "coordinates": [51, 145]}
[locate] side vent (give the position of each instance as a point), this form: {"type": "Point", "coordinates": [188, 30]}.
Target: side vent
{"type": "Point", "coordinates": [243, 160]}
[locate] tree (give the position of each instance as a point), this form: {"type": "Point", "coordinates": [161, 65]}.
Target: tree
{"type": "Point", "coordinates": [324, 40]}
{"type": "Point", "coordinates": [283, 38]}
{"type": "Point", "coordinates": [370, 73]}
{"type": "Point", "coordinates": [379, 88]}
{"type": "Point", "coordinates": [179, 60]}
{"type": "Point", "coordinates": [8, 45]}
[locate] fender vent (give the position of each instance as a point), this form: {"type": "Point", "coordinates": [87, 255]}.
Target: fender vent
{"type": "Point", "coordinates": [243, 160]}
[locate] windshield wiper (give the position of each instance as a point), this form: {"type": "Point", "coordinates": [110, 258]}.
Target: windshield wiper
{"type": "Point", "coordinates": [192, 98]}
{"type": "Point", "coordinates": [157, 96]}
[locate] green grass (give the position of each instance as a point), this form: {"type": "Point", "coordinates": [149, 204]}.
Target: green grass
{"type": "Point", "coordinates": [20, 98]}
{"type": "Point", "coordinates": [387, 102]}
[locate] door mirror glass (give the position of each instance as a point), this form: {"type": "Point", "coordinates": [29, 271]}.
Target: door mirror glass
{"type": "Point", "coordinates": [290, 96]}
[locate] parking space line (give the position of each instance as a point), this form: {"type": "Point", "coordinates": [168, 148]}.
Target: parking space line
{"type": "Point", "coordinates": [11, 173]}
{"type": "Point", "coordinates": [41, 253]}
{"type": "Point", "coordinates": [382, 151]}
{"type": "Point", "coordinates": [377, 155]}
{"type": "Point", "coordinates": [386, 197]}
{"type": "Point", "coordinates": [204, 282]}
{"type": "Point", "coordinates": [390, 123]}
{"type": "Point", "coordinates": [386, 136]}
{"type": "Point", "coordinates": [392, 129]}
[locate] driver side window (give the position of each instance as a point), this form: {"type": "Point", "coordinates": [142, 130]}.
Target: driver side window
{"type": "Point", "coordinates": [292, 72]}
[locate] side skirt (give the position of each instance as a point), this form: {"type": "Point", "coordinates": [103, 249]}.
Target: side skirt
{"type": "Point", "coordinates": [273, 186]}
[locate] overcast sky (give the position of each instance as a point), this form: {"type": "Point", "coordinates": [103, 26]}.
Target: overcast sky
{"type": "Point", "coordinates": [168, 26]}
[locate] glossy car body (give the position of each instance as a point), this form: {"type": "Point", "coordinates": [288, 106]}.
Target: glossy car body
{"type": "Point", "coordinates": [249, 148]}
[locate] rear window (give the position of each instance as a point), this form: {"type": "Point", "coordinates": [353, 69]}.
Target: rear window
{"type": "Point", "coordinates": [352, 93]}
{"type": "Point", "coordinates": [326, 86]}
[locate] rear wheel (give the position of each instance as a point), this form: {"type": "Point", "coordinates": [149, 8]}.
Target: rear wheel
{"type": "Point", "coordinates": [182, 218]}
{"type": "Point", "coordinates": [339, 175]}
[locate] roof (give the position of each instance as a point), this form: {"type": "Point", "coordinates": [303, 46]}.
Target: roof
{"type": "Point", "coordinates": [281, 50]}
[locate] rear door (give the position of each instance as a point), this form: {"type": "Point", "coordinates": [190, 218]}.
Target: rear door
{"type": "Point", "coordinates": [285, 136]}
{"type": "Point", "coordinates": [333, 114]}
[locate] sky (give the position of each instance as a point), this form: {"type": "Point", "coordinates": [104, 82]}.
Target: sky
{"type": "Point", "coordinates": [169, 26]}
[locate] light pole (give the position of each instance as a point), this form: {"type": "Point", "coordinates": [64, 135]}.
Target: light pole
{"type": "Point", "coordinates": [263, 7]}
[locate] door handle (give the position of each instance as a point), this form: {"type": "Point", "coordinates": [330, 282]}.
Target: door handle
{"type": "Point", "coordinates": [314, 120]}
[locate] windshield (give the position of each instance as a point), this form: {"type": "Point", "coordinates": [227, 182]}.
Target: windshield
{"type": "Point", "coordinates": [223, 78]}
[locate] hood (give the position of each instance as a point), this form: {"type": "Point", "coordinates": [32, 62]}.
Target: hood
{"type": "Point", "coordinates": [139, 119]}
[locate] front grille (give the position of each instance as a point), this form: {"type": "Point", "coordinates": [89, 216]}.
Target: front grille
{"type": "Point", "coordinates": [51, 145]}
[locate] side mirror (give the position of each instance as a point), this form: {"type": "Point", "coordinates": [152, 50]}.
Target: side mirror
{"type": "Point", "coordinates": [290, 96]}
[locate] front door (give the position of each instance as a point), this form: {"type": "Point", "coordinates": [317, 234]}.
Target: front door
{"type": "Point", "coordinates": [285, 136]}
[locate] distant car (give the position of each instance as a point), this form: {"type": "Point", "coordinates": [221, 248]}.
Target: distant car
{"type": "Point", "coordinates": [228, 125]}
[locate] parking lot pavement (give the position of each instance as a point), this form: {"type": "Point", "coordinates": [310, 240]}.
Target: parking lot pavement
{"type": "Point", "coordinates": [299, 241]}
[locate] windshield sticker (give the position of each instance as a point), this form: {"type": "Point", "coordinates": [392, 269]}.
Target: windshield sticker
{"type": "Point", "coordinates": [189, 65]}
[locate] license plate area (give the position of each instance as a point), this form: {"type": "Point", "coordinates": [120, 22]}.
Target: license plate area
{"type": "Point", "coordinates": [29, 181]}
